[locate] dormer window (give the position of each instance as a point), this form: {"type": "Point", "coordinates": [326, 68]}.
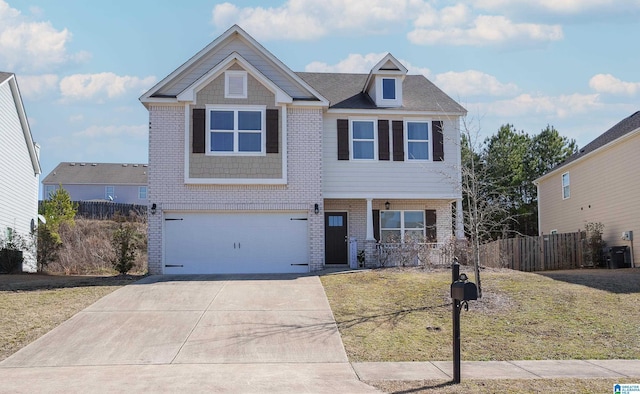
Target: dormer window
{"type": "Point", "coordinates": [235, 84]}
{"type": "Point", "coordinates": [388, 88]}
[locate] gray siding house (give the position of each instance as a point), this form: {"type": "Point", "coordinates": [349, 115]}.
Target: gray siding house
{"type": "Point", "coordinates": [254, 168]}
{"type": "Point", "coordinates": [117, 182]}
{"type": "Point", "coordinates": [19, 169]}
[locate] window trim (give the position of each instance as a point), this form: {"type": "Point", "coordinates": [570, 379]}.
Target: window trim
{"type": "Point", "coordinates": [236, 108]}
{"type": "Point", "coordinates": [567, 195]}
{"type": "Point", "coordinates": [235, 73]}
{"type": "Point", "coordinates": [140, 188]}
{"type": "Point", "coordinates": [379, 89]}
{"type": "Point", "coordinates": [429, 141]}
{"type": "Point", "coordinates": [374, 122]}
{"type": "Point", "coordinates": [113, 193]}
{"type": "Point", "coordinates": [402, 228]}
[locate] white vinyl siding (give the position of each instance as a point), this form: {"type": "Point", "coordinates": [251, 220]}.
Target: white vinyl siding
{"type": "Point", "coordinates": [397, 179]}
{"type": "Point", "coordinates": [18, 179]}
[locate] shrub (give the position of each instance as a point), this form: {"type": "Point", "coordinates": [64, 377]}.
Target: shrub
{"type": "Point", "coordinates": [124, 243]}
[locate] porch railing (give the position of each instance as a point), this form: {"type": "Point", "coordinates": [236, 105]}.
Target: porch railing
{"type": "Point", "coordinates": [427, 254]}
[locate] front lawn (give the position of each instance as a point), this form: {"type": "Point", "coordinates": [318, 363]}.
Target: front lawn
{"type": "Point", "coordinates": [405, 315]}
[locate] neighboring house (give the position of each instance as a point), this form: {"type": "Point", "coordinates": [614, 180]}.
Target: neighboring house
{"type": "Point", "coordinates": [117, 182]}
{"type": "Point", "coordinates": [19, 169]}
{"type": "Point", "coordinates": [597, 184]}
{"type": "Point", "coordinates": [257, 169]}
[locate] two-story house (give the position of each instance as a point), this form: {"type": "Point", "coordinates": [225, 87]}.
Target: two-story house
{"type": "Point", "coordinates": [19, 171]}
{"type": "Point", "coordinates": [254, 168]}
{"type": "Point", "coordinates": [117, 182]}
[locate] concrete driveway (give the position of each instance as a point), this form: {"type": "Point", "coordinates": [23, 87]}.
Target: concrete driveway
{"type": "Point", "coordinates": [248, 334]}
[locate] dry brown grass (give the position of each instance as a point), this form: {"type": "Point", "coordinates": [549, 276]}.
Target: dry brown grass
{"type": "Point", "coordinates": [86, 248]}
{"type": "Point", "coordinates": [405, 315]}
{"type": "Point", "coordinates": [32, 304]}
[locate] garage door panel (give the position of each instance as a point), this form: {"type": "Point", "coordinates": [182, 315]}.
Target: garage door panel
{"type": "Point", "coordinates": [263, 242]}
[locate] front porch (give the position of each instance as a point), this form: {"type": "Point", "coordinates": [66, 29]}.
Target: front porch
{"type": "Point", "coordinates": [392, 232]}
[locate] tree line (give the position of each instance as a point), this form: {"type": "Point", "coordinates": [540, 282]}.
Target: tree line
{"type": "Point", "coordinates": [499, 197]}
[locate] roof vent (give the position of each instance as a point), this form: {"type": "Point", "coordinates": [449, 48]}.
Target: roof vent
{"type": "Point", "coordinates": [124, 165]}
{"type": "Point", "coordinates": [135, 165]}
{"type": "Point", "coordinates": [582, 150]}
{"type": "Point", "coordinates": [72, 164]}
{"type": "Point", "coordinates": [82, 164]}
{"type": "Point", "coordinates": [94, 164]}
{"type": "Point", "coordinates": [145, 165]}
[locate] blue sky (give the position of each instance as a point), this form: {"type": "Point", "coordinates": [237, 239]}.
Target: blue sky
{"type": "Point", "coordinates": [81, 65]}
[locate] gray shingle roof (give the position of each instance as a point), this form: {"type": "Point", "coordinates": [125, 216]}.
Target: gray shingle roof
{"type": "Point", "coordinates": [68, 173]}
{"type": "Point", "coordinates": [345, 91]}
{"type": "Point", "coordinates": [622, 128]}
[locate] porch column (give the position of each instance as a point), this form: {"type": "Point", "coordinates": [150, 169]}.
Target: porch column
{"type": "Point", "coordinates": [370, 236]}
{"type": "Point", "coordinates": [459, 220]}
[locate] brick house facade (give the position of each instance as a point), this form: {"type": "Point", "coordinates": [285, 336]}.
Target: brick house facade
{"type": "Point", "coordinates": [243, 157]}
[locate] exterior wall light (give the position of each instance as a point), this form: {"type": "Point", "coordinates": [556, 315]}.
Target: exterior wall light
{"type": "Point", "coordinates": [387, 205]}
{"type": "Point", "coordinates": [316, 209]}
{"type": "Point", "coordinates": [153, 208]}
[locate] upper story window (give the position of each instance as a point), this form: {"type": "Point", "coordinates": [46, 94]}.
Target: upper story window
{"type": "Point", "coordinates": [388, 91]}
{"type": "Point", "coordinates": [109, 193]}
{"type": "Point", "coordinates": [142, 192]}
{"type": "Point", "coordinates": [363, 139]}
{"type": "Point", "coordinates": [566, 192]}
{"type": "Point", "coordinates": [235, 84]}
{"type": "Point", "coordinates": [388, 88]}
{"type": "Point", "coordinates": [417, 140]}
{"type": "Point", "coordinates": [236, 130]}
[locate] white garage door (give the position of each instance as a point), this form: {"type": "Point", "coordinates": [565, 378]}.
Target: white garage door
{"type": "Point", "coordinates": [230, 243]}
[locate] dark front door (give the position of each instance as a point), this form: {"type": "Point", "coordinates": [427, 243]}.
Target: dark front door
{"type": "Point", "coordinates": [335, 238]}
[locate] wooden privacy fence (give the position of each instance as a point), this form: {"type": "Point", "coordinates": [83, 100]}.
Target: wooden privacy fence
{"type": "Point", "coordinates": [547, 252]}
{"type": "Point", "coordinates": [107, 210]}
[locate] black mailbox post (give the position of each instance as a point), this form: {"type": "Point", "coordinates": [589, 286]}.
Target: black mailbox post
{"type": "Point", "coordinates": [461, 291]}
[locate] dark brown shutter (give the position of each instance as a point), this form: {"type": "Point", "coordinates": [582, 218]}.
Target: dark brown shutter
{"type": "Point", "coordinates": [438, 141]}
{"type": "Point", "coordinates": [383, 140]}
{"type": "Point", "coordinates": [272, 130]}
{"type": "Point", "coordinates": [343, 139]}
{"type": "Point", "coordinates": [430, 225]}
{"type": "Point", "coordinates": [198, 130]}
{"type": "Point", "coordinates": [398, 140]}
{"type": "Point", "coordinates": [376, 224]}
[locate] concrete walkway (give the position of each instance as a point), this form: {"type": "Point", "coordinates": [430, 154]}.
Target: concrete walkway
{"type": "Point", "coordinates": [240, 334]}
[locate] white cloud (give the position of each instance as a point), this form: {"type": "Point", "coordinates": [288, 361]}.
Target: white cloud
{"type": "Point", "coordinates": [473, 83]}
{"type": "Point", "coordinates": [486, 30]}
{"type": "Point", "coordinates": [36, 86]}
{"type": "Point", "coordinates": [549, 106]}
{"type": "Point", "coordinates": [557, 6]}
{"type": "Point", "coordinates": [311, 19]}
{"type": "Point", "coordinates": [358, 63]}
{"type": "Point", "coordinates": [30, 45]}
{"type": "Point", "coordinates": [107, 84]}
{"type": "Point", "coordinates": [607, 83]}
{"type": "Point", "coordinates": [76, 118]}
{"type": "Point", "coordinates": [137, 131]}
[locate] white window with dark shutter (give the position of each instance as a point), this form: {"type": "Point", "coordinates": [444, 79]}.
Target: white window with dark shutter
{"type": "Point", "coordinates": [236, 130]}
{"type": "Point", "coordinates": [235, 84]}
{"type": "Point", "coordinates": [363, 139]}
{"type": "Point", "coordinates": [417, 140]}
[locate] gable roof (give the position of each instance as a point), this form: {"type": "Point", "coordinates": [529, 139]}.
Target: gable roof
{"type": "Point", "coordinates": [69, 173]}
{"type": "Point", "coordinates": [32, 147]}
{"type": "Point", "coordinates": [233, 40]}
{"type": "Point", "coordinates": [622, 128]}
{"type": "Point", "coordinates": [344, 91]}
